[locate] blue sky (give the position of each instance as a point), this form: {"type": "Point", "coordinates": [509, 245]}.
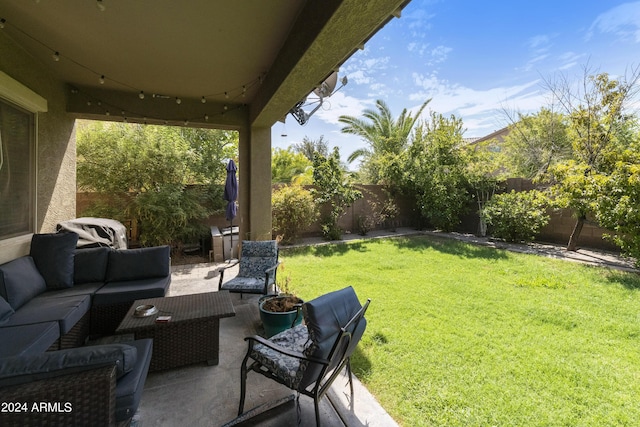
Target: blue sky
{"type": "Point", "coordinates": [475, 59]}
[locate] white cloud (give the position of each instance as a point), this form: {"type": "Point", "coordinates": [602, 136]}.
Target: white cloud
{"type": "Point", "coordinates": [541, 41]}
{"type": "Point", "coordinates": [439, 54]}
{"type": "Point", "coordinates": [622, 20]}
{"type": "Point", "coordinates": [341, 104]}
{"type": "Point", "coordinates": [476, 107]}
{"type": "Point", "coordinates": [419, 48]}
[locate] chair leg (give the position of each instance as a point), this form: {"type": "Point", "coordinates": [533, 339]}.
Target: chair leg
{"type": "Point", "coordinates": [350, 377]}
{"type": "Point", "coordinates": [243, 385]}
{"type": "Point", "coordinates": [316, 404]}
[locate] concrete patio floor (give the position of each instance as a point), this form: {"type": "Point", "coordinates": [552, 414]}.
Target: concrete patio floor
{"type": "Point", "coordinates": [201, 395]}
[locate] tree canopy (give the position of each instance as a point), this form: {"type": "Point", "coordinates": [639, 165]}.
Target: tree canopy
{"type": "Point", "coordinates": [288, 166]}
{"type": "Point", "coordinates": [386, 138]}
{"type": "Point", "coordinates": [163, 177]}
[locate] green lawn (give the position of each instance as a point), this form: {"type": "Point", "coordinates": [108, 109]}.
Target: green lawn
{"type": "Point", "coordinates": [463, 335]}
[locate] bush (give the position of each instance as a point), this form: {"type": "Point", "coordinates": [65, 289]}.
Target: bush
{"type": "Point", "coordinates": [516, 216]}
{"type": "Point", "coordinates": [293, 210]}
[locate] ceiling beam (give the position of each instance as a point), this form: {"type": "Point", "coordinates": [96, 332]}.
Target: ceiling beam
{"type": "Point", "coordinates": [325, 34]}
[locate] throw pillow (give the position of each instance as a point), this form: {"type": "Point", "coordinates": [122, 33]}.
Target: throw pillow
{"type": "Point", "coordinates": [54, 256]}
{"type": "Point", "coordinates": [20, 281]}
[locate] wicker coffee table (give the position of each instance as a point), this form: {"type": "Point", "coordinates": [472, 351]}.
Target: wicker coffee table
{"type": "Point", "coordinates": [191, 336]}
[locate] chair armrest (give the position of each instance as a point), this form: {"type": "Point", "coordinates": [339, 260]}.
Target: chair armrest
{"type": "Point", "coordinates": [263, 341]}
{"type": "Point", "coordinates": [78, 398]}
{"type": "Point", "coordinates": [231, 264]}
{"type": "Point", "coordinates": [271, 269]}
{"type": "Point", "coordinates": [221, 270]}
{"type": "Point", "coordinates": [26, 369]}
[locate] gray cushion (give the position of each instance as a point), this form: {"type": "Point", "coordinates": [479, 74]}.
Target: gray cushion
{"type": "Point", "coordinates": [129, 387]}
{"type": "Point", "coordinates": [20, 281]}
{"type": "Point", "coordinates": [54, 256]}
{"type": "Point", "coordinates": [289, 369]}
{"type": "Point", "coordinates": [17, 370]}
{"type": "Point", "coordinates": [28, 339]}
{"type": "Point", "coordinates": [324, 317]}
{"type": "Point", "coordinates": [130, 290]}
{"type": "Point", "coordinates": [5, 310]}
{"type": "Point", "coordinates": [134, 264]}
{"type": "Point", "coordinates": [90, 265]}
{"type": "Point", "coordinates": [82, 289]}
{"type": "Point", "coordinates": [67, 311]}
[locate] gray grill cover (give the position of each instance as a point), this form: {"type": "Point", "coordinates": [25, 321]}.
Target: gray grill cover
{"type": "Point", "coordinates": [95, 232]}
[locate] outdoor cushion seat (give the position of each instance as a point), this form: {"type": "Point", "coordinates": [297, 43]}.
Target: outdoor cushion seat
{"type": "Point", "coordinates": [285, 366]}
{"type": "Point", "coordinates": [83, 289]}
{"type": "Point", "coordinates": [257, 270]}
{"type": "Point", "coordinates": [67, 311]}
{"type": "Point", "coordinates": [28, 339]}
{"type": "Point", "coordinates": [128, 291]}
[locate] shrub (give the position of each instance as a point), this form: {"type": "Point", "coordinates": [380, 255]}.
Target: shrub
{"type": "Point", "coordinates": [333, 188]}
{"type": "Point", "coordinates": [293, 210]}
{"type": "Point", "coordinates": [516, 216]}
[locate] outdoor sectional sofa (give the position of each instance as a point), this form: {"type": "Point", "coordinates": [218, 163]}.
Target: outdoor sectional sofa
{"type": "Point", "coordinates": [51, 302]}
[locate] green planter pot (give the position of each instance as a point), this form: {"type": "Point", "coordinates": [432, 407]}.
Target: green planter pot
{"type": "Point", "coordinates": [275, 322]}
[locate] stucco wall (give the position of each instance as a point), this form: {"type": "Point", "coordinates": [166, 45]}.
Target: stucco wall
{"type": "Point", "coordinates": [56, 179]}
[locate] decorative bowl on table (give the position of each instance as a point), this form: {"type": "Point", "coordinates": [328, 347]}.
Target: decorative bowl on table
{"type": "Point", "coordinates": [145, 310]}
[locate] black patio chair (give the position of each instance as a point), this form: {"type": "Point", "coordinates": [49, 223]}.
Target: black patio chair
{"type": "Point", "coordinates": [257, 271]}
{"type": "Point", "coordinates": [307, 358]}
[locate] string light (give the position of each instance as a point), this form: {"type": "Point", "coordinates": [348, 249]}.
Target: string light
{"type": "Point", "coordinates": [141, 94]}
{"type": "Point", "coordinates": [56, 56]}
{"type": "Point", "coordinates": [142, 117]}
{"type": "Point", "coordinates": [178, 101]}
{"type": "Point", "coordinates": [2, 22]}
{"type": "Point", "coordinates": [203, 100]}
{"type": "Point", "coordinates": [101, 79]}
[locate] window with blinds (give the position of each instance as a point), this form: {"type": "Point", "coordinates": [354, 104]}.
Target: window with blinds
{"type": "Point", "coordinates": [17, 170]}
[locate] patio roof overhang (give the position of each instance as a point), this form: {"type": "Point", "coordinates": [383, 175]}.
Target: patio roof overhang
{"type": "Point", "coordinates": [251, 61]}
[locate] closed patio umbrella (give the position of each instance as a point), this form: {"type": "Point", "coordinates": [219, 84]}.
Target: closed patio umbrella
{"type": "Point", "coordinates": [230, 195]}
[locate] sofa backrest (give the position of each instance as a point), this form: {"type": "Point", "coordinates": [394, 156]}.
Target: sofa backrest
{"type": "Point", "coordinates": [90, 265]}
{"type": "Point", "coordinates": [135, 264]}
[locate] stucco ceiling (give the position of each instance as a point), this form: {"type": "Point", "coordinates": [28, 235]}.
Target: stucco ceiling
{"type": "Point", "coordinates": [264, 53]}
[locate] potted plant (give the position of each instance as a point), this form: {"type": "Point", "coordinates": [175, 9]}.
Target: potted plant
{"type": "Point", "coordinates": [282, 311]}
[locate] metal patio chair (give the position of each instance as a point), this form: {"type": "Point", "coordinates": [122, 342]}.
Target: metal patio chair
{"type": "Point", "coordinates": [308, 358]}
{"type": "Point", "coordinates": [258, 268]}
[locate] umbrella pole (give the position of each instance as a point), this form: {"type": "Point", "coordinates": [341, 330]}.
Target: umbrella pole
{"type": "Point", "coordinates": [230, 241]}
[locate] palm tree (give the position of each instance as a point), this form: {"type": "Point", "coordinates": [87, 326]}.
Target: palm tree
{"type": "Point", "coordinates": [381, 132]}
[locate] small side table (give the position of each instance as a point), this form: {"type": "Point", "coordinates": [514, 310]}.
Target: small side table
{"type": "Point", "coordinates": [191, 336]}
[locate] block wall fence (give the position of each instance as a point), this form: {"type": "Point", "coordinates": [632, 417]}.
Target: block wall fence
{"type": "Point", "coordinates": [557, 231]}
